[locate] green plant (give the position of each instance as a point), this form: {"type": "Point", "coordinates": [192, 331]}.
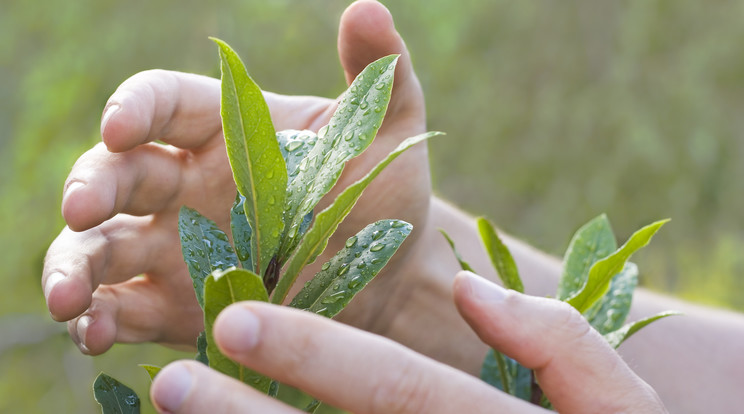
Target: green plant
{"type": "Point", "coordinates": [281, 177]}
{"type": "Point", "coordinates": [597, 280]}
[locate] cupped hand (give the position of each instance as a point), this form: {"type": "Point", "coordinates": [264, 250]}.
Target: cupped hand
{"type": "Point", "coordinates": [364, 373]}
{"type": "Point", "coordinates": [116, 272]}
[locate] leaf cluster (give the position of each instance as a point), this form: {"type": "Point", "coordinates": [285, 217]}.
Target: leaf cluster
{"type": "Point", "coordinates": [597, 280]}
{"type": "Point", "coordinates": [280, 178]}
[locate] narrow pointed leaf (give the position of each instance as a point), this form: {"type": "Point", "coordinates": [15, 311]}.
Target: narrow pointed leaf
{"type": "Point", "coordinates": [518, 378]}
{"type": "Point", "coordinates": [349, 271]}
{"type": "Point", "coordinates": [201, 348]}
{"type": "Point", "coordinates": [463, 264]}
{"type": "Point", "coordinates": [295, 146]}
{"type": "Point", "coordinates": [617, 337]}
{"type": "Point", "coordinates": [328, 220]}
{"type": "Point", "coordinates": [152, 370]}
{"type": "Point", "coordinates": [241, 232]}
{"type": "Point", "coordinates": [349, 132]}
{"type": "Point", "coordinates": [602, 272]}
{"type": "Point", "coordinates": [256, 161]}
{"type": "Point", "coordinates": [610, 312]}
{"type": "Point", "coordinates": [205, 248]}
{"type": "Point", "coordinates": [501, 258]}
{"type": "Point", "coordinates": [115, 397]}
{"type": "Point", "coordinates": [221, 290]}
{"type": "Point", "coordinates": [592, 242]}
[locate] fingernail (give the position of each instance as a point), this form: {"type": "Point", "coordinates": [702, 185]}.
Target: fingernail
{"type": "Point", "coordinates": [238, 329]}
{"type": "Point", "coordinates": [51, 282]}
{"type": "Point", "coordinates": [173, 386]}
{"type": "Point", "coordinates": [484, 290]}
{"type": "Point", "coordinates": [82, 329]}
{"type": "Point", "coordinates": [112, 109]}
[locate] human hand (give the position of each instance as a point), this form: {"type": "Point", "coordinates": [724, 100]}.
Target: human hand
{"type": "Point", "coordinates": [365, 373]}
{"type": "Point", "coordinates": [121, 199]}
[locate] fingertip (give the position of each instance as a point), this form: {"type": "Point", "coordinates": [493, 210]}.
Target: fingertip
{"type": "Point", "coordinates": [122, 127]}
{"type": "Point", "coordinates": [83, 207]}
{"type": "Point", "coordinates": [236, 329]}
{"type": "Point", "coordinates": [67, 298]}
{"type": "Point", "coordinates": [172, 385]}
{"type": "Point", "coordinates": [95, 335]}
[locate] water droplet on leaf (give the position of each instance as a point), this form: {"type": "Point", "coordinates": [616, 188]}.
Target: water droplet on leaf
{"type": "Point", "coordinates": [377, 247]}
{"type": "Point", "coordinates": [351, 241]}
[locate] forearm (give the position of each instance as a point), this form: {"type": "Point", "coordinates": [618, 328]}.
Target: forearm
{"type": "Point", "coordinates": [693, 361]}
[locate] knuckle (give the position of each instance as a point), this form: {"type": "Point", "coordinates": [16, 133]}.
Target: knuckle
{"type": "Point", "coordinates": [402, 391]}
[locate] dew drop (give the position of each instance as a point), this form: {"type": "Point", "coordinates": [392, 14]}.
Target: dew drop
{"type": "Point", "coordinates": [351, 241]}
{"type": "Point", "coordinates": [293, 145]}
{"type": "Point", "coordinates": [325, 266]}
{"type": "Point", "coordinates": [343, 269]}
{"type": "Point", "coordinates": [377, 247]}
{"type": "Point", "coordinates": [375, 260]}
{"type": "Point", "coordinates": [379, 86]}
{"type": "Point", "coordinates": [270, 174]}
{"type": "Point", "coordinates": [398, 224]}
{"type": "Point", "coordinates": [378, 109]}
{"type": "Point", "coordinates": [363, 105]}
{"type": "Point", "coordinates": [130, 400]}
{"type": "Point", "coordinates": [377, 235]}
{"type": "Point", "coordinates": [272, 200]}
{"type": "Point", "coordinates": [348, 136]}
{"type": "Point", "coordinates": [323, 131]}
{"type": "Point", "coordinates": [333, 298]}
{"type": "Point", "coordinates": [353, 283]}
{"type": "Point", "coordinates": [354, 101]}
{"type": "Point", "coordinates": [361, 265]}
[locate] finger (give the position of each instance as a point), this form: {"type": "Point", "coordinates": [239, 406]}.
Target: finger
{"type": "Point", "coordinates": [140, 310]}
{"type": "Point", "coordinates": [346, 367]}
{"type": "Point", "coordinates": [367, 33]}
{"type": "Point", "coordinates": [102, 184]}
{"type": "Point", "coordinates": [576, 368]}
{"type": "Point", "coordinates": [186, 387]}
{"type": "Point", "coordinates": [77, 262]}
{"type": "Point", "coordinates": [181, 109]}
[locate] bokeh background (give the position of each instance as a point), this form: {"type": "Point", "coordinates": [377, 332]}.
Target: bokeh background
{"type": "Point", "coordinates": [555, 113]}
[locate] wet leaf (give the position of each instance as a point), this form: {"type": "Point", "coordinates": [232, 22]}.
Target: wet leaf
{"type": "Point", "coordinates": [152, 370]}
{"type": "Point", "coordinates": [610, 312]}
{"type": "Point", "coordinates": [221, 290]}
{"type": "Point", "coordinates": [256, 160]}
{"type": "Point", "coordinates": [463, 264]}
{"type": "Point", "coordinates": [205, 248]}
{"type": "Point", "coordinates": [617, 337]}
{"type": "Point", "coordinates": [115, 397]}
{"type": "Point", "coordinates": [295, 146]}
{"type": "Point", "coordinates": [349, 132]}
{"type": "Point", "coordinates": [518, 378]}
{"type": "Point", "coordinates": [592, 242]}
{"type": "Point", "coordinates": [602, 272]}
{"type": "Point", "coordinates": [241, 232]}
{"type": "Point", "coordinates": [501, 258]}
{"type": "Point", "coordinates": [327, 221]}
{"type": "Point", "coordinates": [349, 271]}
{"type": "Point", "coordinates": [201, 348]}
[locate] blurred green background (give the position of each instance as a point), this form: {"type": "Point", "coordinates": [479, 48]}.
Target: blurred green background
{"type": "Point", "coordinates": [555, 112]}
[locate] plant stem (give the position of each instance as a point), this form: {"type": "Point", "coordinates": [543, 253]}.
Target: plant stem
{"type": "Point", "coordinates": [502, 372]}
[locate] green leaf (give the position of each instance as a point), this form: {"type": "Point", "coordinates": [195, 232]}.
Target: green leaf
{"type": "Point", "coordinates": [201, 348]}
{"type": "Point", "coordinates": [241, 232]}
{"type": "Point", "coordinates": [610, 312]}
{"type": "Point", "coordinates": [602, 272]}
{"type": "Point", "coordinates": [256, 160]}
{"type": "Point", "coordinates": [115, 397]}
{"type": "Point", "coordinates": [463, 264]}
{"type": "Point", "coordinates": [328, 220]}
{"type": "Point", "coordinates": [221, 290]}
{"type": "Point", "coordinates": [312, 406]}
{"type": "Point", "coordinates": [295, 146]}
{"type": "Point", "coordinates": [349, 271]}
{"type": "Point", "coordinates": [205, 248]}
{"type": "Point", "coordinates": [500, 256]}
{"type": "Point", "coordinates": [349, 132]}
{"type": "Point", "coordinates": [592, 242]}
{"type": "Point", "coordinates": [617, 337]}
{"type": "Point", "coordinates": [518, 378]}
{"type": "Point", "coordinates": [152, 370]}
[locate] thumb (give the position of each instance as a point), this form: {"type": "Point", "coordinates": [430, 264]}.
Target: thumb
{"type": "Point", "coordinates": [576, 368]}
{"type": "Point", "coordinates": [367, 33]}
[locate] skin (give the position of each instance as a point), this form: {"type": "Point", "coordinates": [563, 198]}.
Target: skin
{"type": "Point", "coordinates": [122, 197]}
{"type": "Point", "coordinates": [580, 375]}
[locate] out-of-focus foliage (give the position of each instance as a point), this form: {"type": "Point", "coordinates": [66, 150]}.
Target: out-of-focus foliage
{"type": "Point", "coordinates": [555, 112]}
